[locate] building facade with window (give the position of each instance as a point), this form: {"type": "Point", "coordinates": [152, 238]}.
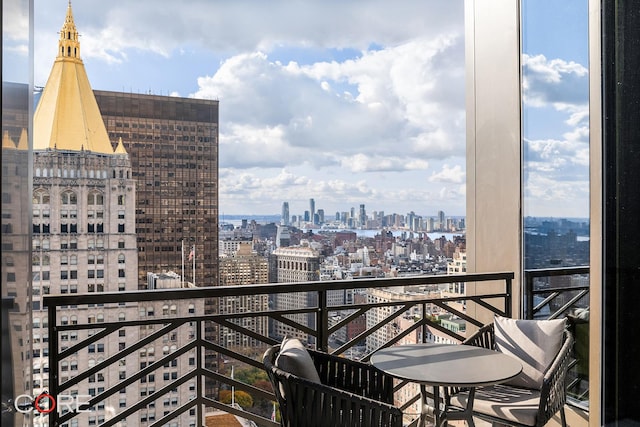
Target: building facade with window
{"type": "Point", "coordinates": [83, 228]}
{"type": "Point", "coordinates": [16, 247]}
{"type": "Point", "coordinates": [295, 264]}
{"type": "Point", "coordinates": [244, 267]}
{"type": "Point", "coordinates": [173, 146]}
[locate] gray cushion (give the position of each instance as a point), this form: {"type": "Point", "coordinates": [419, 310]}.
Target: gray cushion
{"type": "Point", "coordinates": [534, 342]}
{"type": "Point", "coordinates": [295, 359]}
{"type": "Point", "coordinates": [508, 403]}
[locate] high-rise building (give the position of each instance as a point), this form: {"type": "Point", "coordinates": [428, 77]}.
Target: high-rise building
{"type": "Point", "coordinates": [173, 146]}
{"type": "Point", "coordinates": [17, 295]}
{"type": "Point", "coordinates": [230, 244]}
{"type": "Point", "coordinates": [284, 219]}
{"type": "Point", "coordinates": [83, 214]}
{"type": "Point", "coordinates": [283, 237]}
{"type": "Point", "coordinates": [458, 265]}
{"type": "Point", "coordinates": [410, 223]}
{"type": "Point", "coordinates": [362, 216]}
{"type": "Point", "coordinates": [295, 264]}
{"type": "Point", "coordinates": [312, 210]}
{"type": "Point", "coordinates": [441, 221]}
{"type": "Point", "coordinates": [244, 268]}
{"type": "Point", "coordinates": [84, 241]}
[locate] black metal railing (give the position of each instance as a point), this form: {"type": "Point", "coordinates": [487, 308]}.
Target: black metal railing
{"type": "Point", "coordinates": [183, 348]}
{"type": "Point", "coordinates": [564, 292]}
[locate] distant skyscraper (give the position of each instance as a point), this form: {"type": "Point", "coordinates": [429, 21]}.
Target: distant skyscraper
{"type": "Point", "coordinates": [362, 217]}
{"type": "Point", "coordinates": [283, 237]}
{"type": "Point", "coordinates": [284, 220]}
{"type": "Point", "coordinates": [312, 209]}
{"type": "Point", "coordinates": [410, 217]}
{"type": "Point", "coordinates": [320, 216]}
{"type": "Point", "coordinates": [430, 225]}
{"type": "Point", "coordinates": [441, 220]}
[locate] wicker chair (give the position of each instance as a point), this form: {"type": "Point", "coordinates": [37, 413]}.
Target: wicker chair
{"type": "Point", "coordinates": [510, 405]}
{"type": "Point", "coordinates": [351, 394]}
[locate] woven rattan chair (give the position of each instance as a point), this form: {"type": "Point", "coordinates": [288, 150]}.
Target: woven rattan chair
{"type": "Point", "coordinates": [518, 406]}
{"type": "Point", "coordinates": [350, 394]}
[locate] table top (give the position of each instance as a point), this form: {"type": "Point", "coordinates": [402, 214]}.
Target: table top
{"type": "Point", "coordinates": [446, 364]}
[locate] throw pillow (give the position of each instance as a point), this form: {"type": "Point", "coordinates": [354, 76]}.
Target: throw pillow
{"type": "Point", "coordinates": [534, 342]}
{"type": "Point", "coordinates": [295, 359]}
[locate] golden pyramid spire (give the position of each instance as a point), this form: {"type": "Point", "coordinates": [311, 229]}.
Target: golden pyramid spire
{"type": "Point", "coordinates": [67, 117]}
{"type": "Point", "coordinates": [7, 142]}
{"type": "Point", "coordinates": [120, 148]}
{"type": "Point", "coordinates": [23, 142]}
{"type": "Point", "coordinates": [69, 45]}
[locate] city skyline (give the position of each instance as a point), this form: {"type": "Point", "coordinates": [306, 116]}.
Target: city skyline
{"type": "Point", "coordinates": [340, 103]}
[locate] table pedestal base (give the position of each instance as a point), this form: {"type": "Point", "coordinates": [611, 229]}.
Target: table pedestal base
{"type": "Point", "coordinates": [444, 414]}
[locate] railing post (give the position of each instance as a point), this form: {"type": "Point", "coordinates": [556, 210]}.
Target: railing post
{"type": "Point", "coordinates": [508, 300]}
{"type": "Point", "coordinates": [424, 326]}
{"type": "Point", "coordinates": [528, 295]}
{"type": "Point", "coordinates": [54, 376]}
{"type": "Point", "coordinates": [200, 377]}
{"type": "Point", "coordinates": [322, 320]}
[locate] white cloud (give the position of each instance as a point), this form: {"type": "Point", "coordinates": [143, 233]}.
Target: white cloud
{"type": "Point", "coordinates": [364, 163]}
{"type": "Point", "coordinates": [327, 99]}
{"type": "Point", "coordinates": [453, 175]}
{"type": "Point", "coordinates": [545, 195]}
{"type": "Point", "coordinates": [389, 124]}
{"type": "Point", "coordinates": [557, 158]}
{"type": "Point", "coordinates": [553, 81]}
{"type": "Point", "coordinates": [16, 28]}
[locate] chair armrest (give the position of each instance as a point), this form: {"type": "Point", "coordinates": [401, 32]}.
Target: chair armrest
{"type": "Point", "coordinates": [484, 337]}
{"type": "Point", "coordinates": [552, 393]}
{"type": "Point", "coordinates": [353, 376]}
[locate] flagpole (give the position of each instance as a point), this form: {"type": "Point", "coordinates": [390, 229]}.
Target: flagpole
{"type": "Point", "coordinates": [233, 390]}
{"type": "Point", "coordinates": [182, 249]}
{"type": "Point", "coordinates": [193, 271]}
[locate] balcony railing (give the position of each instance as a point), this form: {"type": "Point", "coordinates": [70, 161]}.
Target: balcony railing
{"type": "Point", "coordinates": [168, 365]}
{"type": "Point", "coordinates": [558, 292]}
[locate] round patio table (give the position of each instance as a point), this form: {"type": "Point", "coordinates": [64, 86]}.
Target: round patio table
{"type": "Point", "coordinates": [446, 365]}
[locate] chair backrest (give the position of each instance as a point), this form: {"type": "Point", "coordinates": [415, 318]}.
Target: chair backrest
{"type": "Point", "coordinates": [305, 403]}
{"type": "Point", "coordinates": [534, 342]}
{"type": "Point", "coordinates": [552, 390]}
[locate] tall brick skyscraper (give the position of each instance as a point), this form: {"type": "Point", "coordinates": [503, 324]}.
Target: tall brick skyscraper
{"type": "Point", "coordinates": [173, 146]}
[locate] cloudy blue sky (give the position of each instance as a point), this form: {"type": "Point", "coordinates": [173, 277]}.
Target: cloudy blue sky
{"type": "Point", "coordinates": [344, 102]}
